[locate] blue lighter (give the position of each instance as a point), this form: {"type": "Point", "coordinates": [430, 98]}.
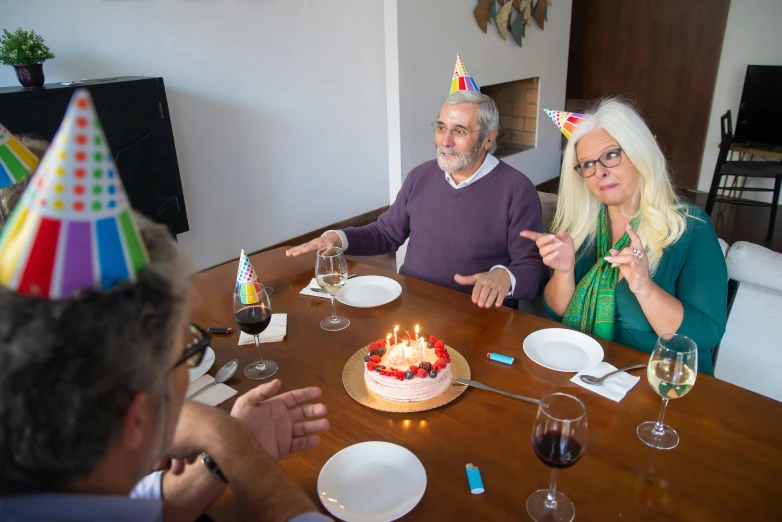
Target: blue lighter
{"type": "Point", "coordinates": [474, 479]}
{"type": "Point", "coordinates": [507, 359]}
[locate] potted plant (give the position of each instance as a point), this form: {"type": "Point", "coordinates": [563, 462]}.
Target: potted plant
{"type": "Point", "coordinates": [26, 51]}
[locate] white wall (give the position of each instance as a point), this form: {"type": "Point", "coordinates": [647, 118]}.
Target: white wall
{"type": "Point", "coordinates": [430, 34]}
{"type": "Point", "coordinates": [752, 37]}
{"type": "Point", "coordinates": [278, 107]}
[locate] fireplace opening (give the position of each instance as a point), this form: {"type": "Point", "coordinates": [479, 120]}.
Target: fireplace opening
{"type": "Point", "coordinates": [517, 103]}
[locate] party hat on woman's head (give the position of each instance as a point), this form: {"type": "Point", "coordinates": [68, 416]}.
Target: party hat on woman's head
{"type": "Point", "coordinates": [247, 283]}
{"type": "Point", "coordinates": [73, 227]}
{"type": "Point", "coordinates": [462, 81]}
{"type": "Point", "coordinates": [566, 121]}
{"type": "Point", "coordinates": [16, 161]}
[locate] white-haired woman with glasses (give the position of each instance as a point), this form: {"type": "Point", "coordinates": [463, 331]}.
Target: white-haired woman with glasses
{"type": "Point", "coordinates": [631, 261]}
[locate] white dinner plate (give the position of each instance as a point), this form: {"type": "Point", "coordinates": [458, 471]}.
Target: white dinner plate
{"type": "Point", "coordinates": [563, 350]}
{"type": "Point", "coordinates": [369, 291]}
{"type": "Point", "coordinates": [371, 482]}
{"type": "Point", "coordinates": [206, 363]}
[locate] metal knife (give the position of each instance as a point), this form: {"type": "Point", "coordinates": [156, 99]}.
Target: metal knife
{"type": "Point", "coordinates": [476, 384]}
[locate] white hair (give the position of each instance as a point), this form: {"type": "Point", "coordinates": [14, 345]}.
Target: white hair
{"type": "Point", "coordinates": [488, 116]}
{"type": "Point", "coordinates": [663, 215]}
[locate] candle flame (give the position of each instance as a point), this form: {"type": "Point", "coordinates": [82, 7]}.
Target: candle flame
{"type": "Point", "coordinates": [417, 329]}
{"type": "Point", "coordinates": [396, 328]}
{"type": "Point", "coordinates": [388, 337]}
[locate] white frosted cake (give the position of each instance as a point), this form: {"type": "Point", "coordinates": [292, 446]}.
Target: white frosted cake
{"type": "Point", "coordinates": [416, 368]}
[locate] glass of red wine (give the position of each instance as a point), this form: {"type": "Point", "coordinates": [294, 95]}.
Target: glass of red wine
{"type": "Point", "coordinates": [559, 438]}
{"type": "Point", "coordinates": [253, 313]}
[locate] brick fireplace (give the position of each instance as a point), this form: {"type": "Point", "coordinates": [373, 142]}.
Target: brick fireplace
{"type": "Point", "coordinates": [517, 103]}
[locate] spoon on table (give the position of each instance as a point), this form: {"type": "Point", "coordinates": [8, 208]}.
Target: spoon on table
{"type": "Point", "coordinates": [222, 375]}
{"type": "Point", "coordinates": [598, 381]}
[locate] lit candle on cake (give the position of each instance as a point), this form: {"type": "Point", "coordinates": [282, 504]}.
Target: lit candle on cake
{"type": "Point", "coordinates": [388, 341]}
{"type": "Point", "coordinates": [416, 332]}
{"type": "Point", "coordinates": [396, 329]}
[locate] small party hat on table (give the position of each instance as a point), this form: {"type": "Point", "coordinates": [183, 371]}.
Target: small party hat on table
{"type": "Point", "coordinates": [566, 121]}
{"type": "Point", "coordinates": [16, 161]}
{"type": "Point", "coordinates": [462, 81]}
{"type": "Point", "coordinates": [72, 228]}
{"type": "Point", "coordinates": [247, 281]}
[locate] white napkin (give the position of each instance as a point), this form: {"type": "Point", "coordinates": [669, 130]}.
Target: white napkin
{"type": "Point", "coordinates": [307, 290]}
{"type": "Point", "coordinates": [214, 395]}
{"type": "Point", "coordinates": [275, 332]}
{"type": "Point", "coordinates": [614, 388]}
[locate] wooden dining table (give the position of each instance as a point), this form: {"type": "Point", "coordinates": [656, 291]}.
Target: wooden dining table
{"type": "Point", "coordinates": [728, 465]}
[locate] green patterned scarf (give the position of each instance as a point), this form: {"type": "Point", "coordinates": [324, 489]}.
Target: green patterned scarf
{"type": "Point", "coordinates": [593, 305]}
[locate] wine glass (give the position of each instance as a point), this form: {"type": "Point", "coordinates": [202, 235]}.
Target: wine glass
{"type": "Point", "coordinates": [331, 273]}
{"type": "Point", "coordinates": [253, 313]}
{"type": "Point", "coordinates": [559, 438]}
{"type": "Point", "coordinates": [672, 369]}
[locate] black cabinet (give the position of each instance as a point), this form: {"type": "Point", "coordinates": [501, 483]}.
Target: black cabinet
{"type": "Point", "coordinates": [135, 118]}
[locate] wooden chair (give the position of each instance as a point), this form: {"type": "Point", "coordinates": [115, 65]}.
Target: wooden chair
{"type": "Point", "coordinates": [748, 169]}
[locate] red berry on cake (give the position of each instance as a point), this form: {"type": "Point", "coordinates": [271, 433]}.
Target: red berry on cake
{"type": "Point", "coordinates": [371, 366]}
{"type": "Point", "coordinates": [414, 368]}
{"type": "Point", "coordinates": [375, 359]}
{"type": "Point", "coordinates": [439, 344]}
{"type": "Point", "coordinates": [381, 342]}
{"type": "Point", "coordinates": [373, 346]}
{"type": "Point", "coordinates": [439, 364]}
{"type": "Point", "coordinates": [422, 373]}
{"type": "Point", "coordinates": [426, 366]}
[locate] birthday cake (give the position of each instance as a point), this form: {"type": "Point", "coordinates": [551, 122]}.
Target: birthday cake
{"type": "Point", "coordinates": [407, 367]}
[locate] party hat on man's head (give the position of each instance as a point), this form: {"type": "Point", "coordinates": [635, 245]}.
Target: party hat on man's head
{"type": "Point", "coordinates": [247, 284]}
{"type": "Point", "coordinates": [462, 81]}
{"type": "Point", "coordinates": [566, 121]}
{"type": "Point", "coordinates": [73, 227]}
{"type": "Point", "coordinates": [16, 161]}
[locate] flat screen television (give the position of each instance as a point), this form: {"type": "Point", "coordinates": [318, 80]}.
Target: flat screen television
{"type": "Point", "coordinates": [760, 111]}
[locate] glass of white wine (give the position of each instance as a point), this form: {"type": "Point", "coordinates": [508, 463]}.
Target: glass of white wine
{"type": "Point", "coordinates": [331, 273]}
{"type": "Point", "coordinates": [672, 369]}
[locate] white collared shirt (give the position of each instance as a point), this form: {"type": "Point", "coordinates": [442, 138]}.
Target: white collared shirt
{"type": "Point", "coordinates": [489, 163]}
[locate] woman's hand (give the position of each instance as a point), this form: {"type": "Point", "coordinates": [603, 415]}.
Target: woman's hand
{"type": "Point", "coordinates": [633, 264]}
{"type": "Point", "coordinates": [557, 251]}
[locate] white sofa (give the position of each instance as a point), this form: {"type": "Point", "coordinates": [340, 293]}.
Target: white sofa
{"type": "Point", "coordinates": [750, 354]}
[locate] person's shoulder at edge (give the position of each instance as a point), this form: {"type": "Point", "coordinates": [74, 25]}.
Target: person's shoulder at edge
{"type": "Point", "coordinates": [427, 169]}
{"type": "Point", "coordinates": [508, 175]}
{"type": "Point", "coordinates": [698, 221]}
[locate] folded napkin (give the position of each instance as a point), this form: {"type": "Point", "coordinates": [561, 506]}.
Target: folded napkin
{"type": "Point", "coordinates": [614, 388]}
{"type": "Point", "coordinates": [307, 290]}
{"type": "Point", "coordinates": [274, 333]}
{"type": "Point", "coordinates": [214, 395]}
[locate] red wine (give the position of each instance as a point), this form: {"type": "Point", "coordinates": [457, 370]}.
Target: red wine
{"type": "Point", "coordinates": [253, 320]}
{"type": "Point", "coordinates": [557, 450]}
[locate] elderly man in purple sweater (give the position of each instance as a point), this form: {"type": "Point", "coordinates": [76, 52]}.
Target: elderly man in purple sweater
{"type": "Point", "coordinates": [462, 213]}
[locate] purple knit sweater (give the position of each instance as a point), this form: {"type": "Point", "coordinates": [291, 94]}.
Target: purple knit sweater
{"type": "Point", "coordinates": [464, 231]}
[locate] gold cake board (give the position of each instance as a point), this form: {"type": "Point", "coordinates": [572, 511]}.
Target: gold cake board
{"type": "Point", "coordinates": [353, 380]}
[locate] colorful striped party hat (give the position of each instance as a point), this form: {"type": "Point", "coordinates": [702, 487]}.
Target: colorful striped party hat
{"type": "Point", "coordinates": [72, 228]}
{"type": "Point", "coordinates": [247, 281]}
{"type": "Point", "coordinates": [16, 162]}
{"type": "Point", "coordinates": [462, 81]}
{"type": "Point", "coordinates": [566, 121]}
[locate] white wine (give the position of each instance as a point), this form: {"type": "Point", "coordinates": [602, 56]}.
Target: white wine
{"type": "Point", "coordinates": [669, 379]}
{"type": "Point", "coordinates": [332, 283]}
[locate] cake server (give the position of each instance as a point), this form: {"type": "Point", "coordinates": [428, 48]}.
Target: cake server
{"type": "Point", "coordinates": [476, 384]}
